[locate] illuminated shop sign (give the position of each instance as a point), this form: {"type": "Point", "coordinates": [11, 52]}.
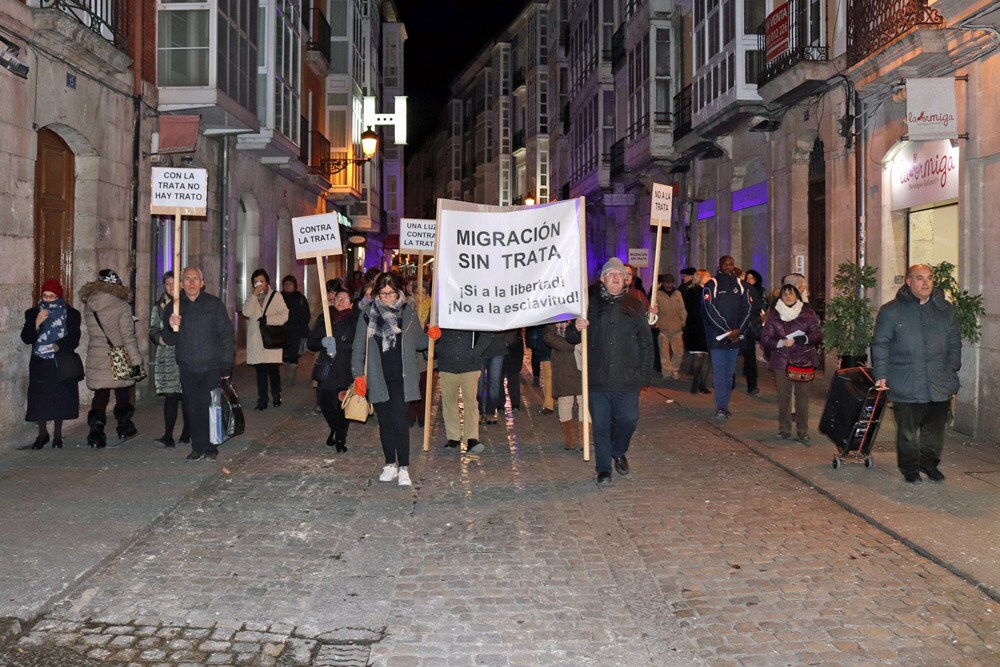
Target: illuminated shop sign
{"type": "Point", "coordinates": [706, 209]}
{"type": "Point", "coordinates": [755, 195]}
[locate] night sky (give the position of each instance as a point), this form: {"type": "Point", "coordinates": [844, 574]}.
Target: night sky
{"type": "Point", "coordinates": [442, 37]}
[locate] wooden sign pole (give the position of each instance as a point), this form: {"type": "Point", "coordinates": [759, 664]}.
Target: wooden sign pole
{"type": "Point", "coordinates": [321, 270]}
{"type": "Point", "coordinates": [585, 408]}
{"type": "Point", "coordinates": [656, 262]}
{"type": "Point", "coordinates": [178, 270]}
{"type": "Point", "coordinates": [432, 321]}
{"type": "Point", "coordinates": [420, 278]}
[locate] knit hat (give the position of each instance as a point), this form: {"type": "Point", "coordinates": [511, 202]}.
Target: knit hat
{"type": "Point", "coordinates": [109, 276]}
{"type": "Point", "coordinates": [613, 264]}
{"type": "Point", "coordinates": [689, 271]}
{"type": "Point", "coordinates": [52, 285]}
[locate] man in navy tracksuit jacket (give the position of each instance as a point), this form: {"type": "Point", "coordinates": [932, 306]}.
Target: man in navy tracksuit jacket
{"type": "Point", "coordinates": [726, 304]}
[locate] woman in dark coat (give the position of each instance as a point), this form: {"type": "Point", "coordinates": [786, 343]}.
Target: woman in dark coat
{"type": "Point", "coordinates": [297, 326]}
{"type": "Point", "coordinates": [50, 328]}
{"type": "Point", "coordinates": [756, 285]}
{"type": "Point", "coordinates": [567, 380]}
{"type": "Point", "coordinates": [694, 334]}
{"type": "Point", "coordinates": [168, 375]}
{"type": "Point", "coordinates": [790, 315]}
{"type": "Point", "coordinates": [335, 352]}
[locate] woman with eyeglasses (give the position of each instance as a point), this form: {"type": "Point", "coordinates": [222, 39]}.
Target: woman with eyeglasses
{"type": "Point", "coordinates": [332, 371]}
{"type": "Point", "coordinates": [50, 328]}
{"type": "Point", "coordinates": [389, 334]}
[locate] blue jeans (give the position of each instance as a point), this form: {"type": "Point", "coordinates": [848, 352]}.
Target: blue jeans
{"type": "Point", "coordinates": [614, 415]}
{"type": "Point", "coordinates": [723, 367]}
{"type": "Point", "coordinates": [491, 385]}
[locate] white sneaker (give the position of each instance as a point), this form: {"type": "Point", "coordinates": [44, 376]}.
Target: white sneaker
{"type": "Point", "coordinates": [389, 473]}
{"type": "Point", "coordinates": [404, 477]}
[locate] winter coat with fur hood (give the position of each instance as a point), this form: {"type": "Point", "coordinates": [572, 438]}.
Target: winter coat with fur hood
{"type": "Point", "coordinates": [108, 301]}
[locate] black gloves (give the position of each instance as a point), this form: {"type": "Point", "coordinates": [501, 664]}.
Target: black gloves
{"type": "Point", "coordinates": [801, 339]}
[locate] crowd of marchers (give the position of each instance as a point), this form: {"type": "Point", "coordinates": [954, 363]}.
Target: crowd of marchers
{"type": "Point", "coordinates": [374, 339]}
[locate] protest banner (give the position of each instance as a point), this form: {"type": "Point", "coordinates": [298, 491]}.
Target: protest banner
{"type": "Point", "coordinates": [638, 257]}
{"type": "Point", "coordinates": [178, 192]}
{"type": "Point", "coordinates": [504, 268]}
{"type": "Point", "coordinates": [507, 267]}
{"type": "Point", "coordinates": [317, 236]}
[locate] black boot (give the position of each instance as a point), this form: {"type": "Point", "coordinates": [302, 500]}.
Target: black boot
{"type": "Point", "coordinates": [96, 419]}
{"type": "Point", "coordinates": [126, 429]}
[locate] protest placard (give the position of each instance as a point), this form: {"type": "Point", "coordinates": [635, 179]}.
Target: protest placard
{"type": "Point", "coordinates": [638, 257]}
{"type": "Point", "coordinates": [178, 192]}
{"type": "Point", "coordinates": [318, 236]}
{"type": "Point", "coordinates": [500, 268]}
{"type": "Point", "coordinates": [661, 205]}
{"type": "Point", "coordinates": [417, 235]}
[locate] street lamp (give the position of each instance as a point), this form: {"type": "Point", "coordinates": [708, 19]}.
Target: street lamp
{"type": "Point", "coordinates": [369, 144]}
{"type": "Point", "coordinates": [529, 200]}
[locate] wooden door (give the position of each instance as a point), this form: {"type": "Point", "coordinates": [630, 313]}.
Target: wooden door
{"type": "Point", "coordinates": [55, 174]}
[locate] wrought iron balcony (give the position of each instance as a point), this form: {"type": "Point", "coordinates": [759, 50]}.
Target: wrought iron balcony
{"type": "Point", "coordinates": [319, 154]}
{"type": "Point", "coordinates": [802, 39]}
{"type": "Point", "coordinates": [319, 34]}
{"type": "Point", "coordinates": [617, 158]}
{"type": "Point", "coordinates": [682, 112]}
{"type": "Point", "coordinates": [106, 18]}
{"type": "Point", "coordinates": [873, 24]}
{"type": "Point", "coordinates": [618, 48]}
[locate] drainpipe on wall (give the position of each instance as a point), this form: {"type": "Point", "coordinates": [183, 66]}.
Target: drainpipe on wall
{"type": "Point", "coordinates": [860, 148]}
{"type": "Point", "coordinates": [224, 218]}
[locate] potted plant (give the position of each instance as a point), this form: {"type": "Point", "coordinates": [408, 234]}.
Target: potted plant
{"type": "Point", "coordinates": [850, 316]}
{"type": "Point", "coordinates": [968, 307]}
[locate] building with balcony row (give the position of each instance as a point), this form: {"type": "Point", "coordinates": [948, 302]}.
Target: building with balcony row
{"type": "Point", "coordinates": [782, 127]}
{"type": "Point", "coordinates": [268, 96]}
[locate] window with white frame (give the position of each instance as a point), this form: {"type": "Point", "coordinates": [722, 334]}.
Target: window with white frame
{"type": "Point", "coordinates": [287, 75]}
{"type": "Point", "coordinates": [182, 43]}
{"type": "Point", "coordinates": [663, 76]}
{"type": "Point", "coordinates": [236, 29]}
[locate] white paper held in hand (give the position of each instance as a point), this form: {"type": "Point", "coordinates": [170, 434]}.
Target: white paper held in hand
{"type": "Point", "coordinates": [797, 332]}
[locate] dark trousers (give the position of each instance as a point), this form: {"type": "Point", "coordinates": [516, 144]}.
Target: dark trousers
{"type": "Point", "coordinates": [103, 396]}
{"type": "Point", "coordinates": [394, 427]}
{"type": "Point", "coordinates": [329, 403]}
{"type": "Point", "coordinates": [491, 385]}
{"type": "Point", "coordinates": [536, 365]}
{"type": "Point", "coordinates": [750, 361]}
{"type": "Point", "coordinates": [171, 404]}
{"type": "Point", "coordinates": [723, 367]}
{"type": "Point", "coordinates": [920, 434]}
{"type": "Point", "coordinates": [417, 408]}
{"type": "Point", "coordinates": [198, 388]}
{"type": "Point", "coordinates": [785, 389]}
{"type": "Point", "coordinates": [267, 372]}
{"type": "Point", "coordinates": [512, 365]}
{"type": "Point", "coordinates": [614, 415]}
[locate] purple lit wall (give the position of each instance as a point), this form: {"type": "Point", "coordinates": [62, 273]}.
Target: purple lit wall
{"type": "Point", "coordinates": [706, 209]}
{"type": "Point", "coordinates": [753, 195]}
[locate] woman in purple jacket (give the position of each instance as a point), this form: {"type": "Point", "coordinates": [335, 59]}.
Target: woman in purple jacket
{"type": "Point", "coordinates": [791, 335]}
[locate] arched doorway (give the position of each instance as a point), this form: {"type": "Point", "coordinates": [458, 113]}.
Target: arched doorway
{"type": "Point", "coordinates": [55, 176]}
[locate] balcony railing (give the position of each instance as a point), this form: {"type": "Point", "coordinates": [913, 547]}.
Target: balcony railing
{"type": "Point", "coordinates": [319, 34]}
{"type": "Point", "coordinates": [617, 158]}
{"type": "Point", "coordinates": [517, 140]}
{"type": "Point", "coordinates": [517, 79]}
{"type": "Point", "coordinates": [304, 140]}
{"type": "Point", "coordinates": [872, 24]}
{"type": "Point", "coordinates": [618, 48]}
{"type": "Point", "coordinates": [319, 154]}
{"type": "Point", "coordinates": [682, 112]}
{"type": "Point", "coordinates": [108, 19]}
{"type": "Point", "coordinates": [661, 118]}
{"type": "Point", "coordinates": [804, 40]}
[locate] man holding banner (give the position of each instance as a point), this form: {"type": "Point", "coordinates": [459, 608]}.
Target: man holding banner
{"type": "Point", "coordinates": [617, 327]}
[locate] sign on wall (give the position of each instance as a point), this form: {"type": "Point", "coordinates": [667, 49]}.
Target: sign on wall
{"type": "Point", "coordinates": [776, 33]}
{"type": "Point", "coordinates": [753, 195]}
{"type": "Point", "coordinates": [930, 109]}
{"type": "Point", "coordinates": [924, 173]}
{"type": "Point", "coordinates": [500, 269]}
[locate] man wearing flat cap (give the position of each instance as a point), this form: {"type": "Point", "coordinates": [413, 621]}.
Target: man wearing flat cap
{"type": "Point", "coordinates": [619, 364]}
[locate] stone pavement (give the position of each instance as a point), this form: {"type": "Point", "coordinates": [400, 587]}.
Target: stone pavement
{"type": "Point", "coordinates": [285, 553]}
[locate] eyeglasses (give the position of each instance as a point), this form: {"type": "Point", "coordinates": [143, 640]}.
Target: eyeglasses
{"type": "Point", "coordinates": [387, 293]}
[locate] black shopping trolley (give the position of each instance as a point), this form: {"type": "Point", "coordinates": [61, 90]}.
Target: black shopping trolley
{"type": "Point", "coordinates": [852, 415]}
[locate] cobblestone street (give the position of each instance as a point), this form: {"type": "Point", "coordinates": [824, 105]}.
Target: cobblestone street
{"type": "Point", "coordinates": [707, 554]}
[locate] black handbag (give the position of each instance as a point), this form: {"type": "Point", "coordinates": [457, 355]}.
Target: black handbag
{"type": "Point", "coordinates": [69, 366]}
{"type": "Point", "coordinates": [271, 336]}
{"type": "Point", "coordinates": [322, 368]}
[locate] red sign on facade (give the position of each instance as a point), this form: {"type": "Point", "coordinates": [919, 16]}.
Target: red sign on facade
{"type": "Point", "coordinates": [776, 33]}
